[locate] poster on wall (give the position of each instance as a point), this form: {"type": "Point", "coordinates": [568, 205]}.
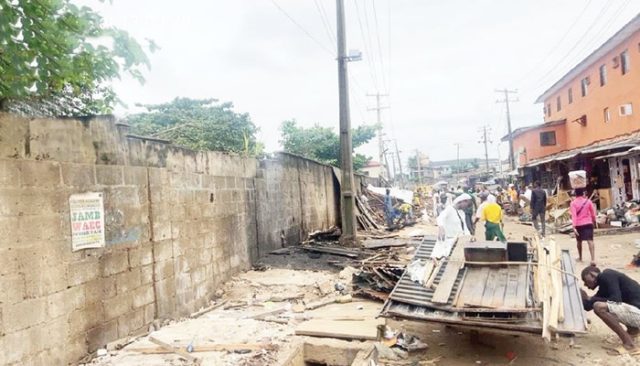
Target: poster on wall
{"type": "Point", "coordinates": [87, 220]}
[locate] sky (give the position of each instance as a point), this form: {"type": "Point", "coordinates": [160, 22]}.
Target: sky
{"type": "Point", "coordinates": [440, 62]}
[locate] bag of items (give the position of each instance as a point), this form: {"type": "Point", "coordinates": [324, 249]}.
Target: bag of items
{"type": "Point", "coordinates": [578, 179]}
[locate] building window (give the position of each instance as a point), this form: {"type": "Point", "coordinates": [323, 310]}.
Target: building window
{"type": "Point", "coordinates": [558, 104]}
{"type": "Point", "coordinates": [603, 75]}
{"type": "Point", "coordinates": [607, 115]}
{"type": "Point", "coordinates": [548, 109]}
{"type": "Point", "coordinates": [584, 86]}
{"type": "Point", "coordinates": [626, 109]}
{"type": "Point", "coordinates": [570, 96]}
{"type": "Point", "coordinates": [548, 138]}
{"type": "Point", "coordinates": [624, 61]}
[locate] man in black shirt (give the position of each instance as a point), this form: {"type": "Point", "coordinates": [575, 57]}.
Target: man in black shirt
{"type": "Point", "coordinates": [616, 302]}
{"type": "Point", "coordinates": [538, 207]}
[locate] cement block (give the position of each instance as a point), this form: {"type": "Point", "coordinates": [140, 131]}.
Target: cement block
{"type": "Point", "coordinates": [13, 288]}
{"type": "Point", "coordinates": [163, 269]}
{"type": "Point", "coordinates": [89, 317]}
{"type": "Point", "coordinates": [149, 313]}
{"type": "Point", "coordinates": [114, 262]}
{"type": "Point", "coordinates": [158, 177]}
{"type": "Point", "coordinates": [17, 345]}
{"type": "Point", "coordinates": [136, 176]}
{"type": "Point", "coordinates": [33, 229]}
{"type": "Point", "coordinates": [109, 175]}
{"type": "Point", "coordinates": [100, 288]}
{"type": "Point", "coordinates": [130, 322]}
{"type": "Point", "coordinates": [8, 237]}
{"type": "Point", "coordinates": [83, 271]}
{"type": "Point", "coordinates": [117, 306]}
{"type": "Point", "coordinates": [146, 274]}
{"type": "Point", "coordinates": [99, 336]}
{"type": "Point", "coordinates": [9, 173]}
{"type": "Point", "coordinates": [143, 295]}
{"type": "Point", "coordinates": [9, 202]}
{"type": "Point", "coordinates": [64, 302]}
{"type": "Point", "coordinates": [162, 250]}
{"type": "Point", "coordinates": [128, 280]}
{"type": "Point", "coordinates": [161, 230]}
{"type": "Point", "coordinates": [78, 175]}
{"type": "Point", "coordinates": [55, 332]}
{"type": "Point", "coordinates": [24, 314]}
{"type": "Point", "coordinates": [165, 293]}
{"type": "Point", "coordinates": [45, 174]}
{"type": "Point", "coordinates": [141, 255]}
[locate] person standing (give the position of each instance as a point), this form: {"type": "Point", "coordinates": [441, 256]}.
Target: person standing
{"type": "Point", "coordinates": [451, 221]}
{"type": "Point", "coordinates": [538, 208]}
{"type": "Point", "coordinates": [492, 215]}
{"type": "Point", "coordinates": [583, 216]}
{"type": "Point", "coordinates": [389, 210]}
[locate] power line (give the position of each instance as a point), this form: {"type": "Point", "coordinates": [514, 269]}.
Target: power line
{"type": "Point", "coordinates": [325, 24]}
{"type": "Point", "coordinates": [557, 45]}
{"type": "Point", "coordinates": [543, 79]}
{"type": "Point", "coordinates": [369, 37]}
{"type": "Point", "coordinates": [331, 52]}
{"type": "Point", "coordinates": [593, 42]}
{"type": "Point", "coordinates": [375, 17]}
{"type": "Point", "coordinates": [367, 50]}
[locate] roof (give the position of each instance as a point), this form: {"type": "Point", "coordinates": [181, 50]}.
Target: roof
{"type": "Point", "coordinates": [521, 130]}
{"type": "Point", "coordinates": [619, 142]}
{"type": "Point", "coordinates": [620, 36]}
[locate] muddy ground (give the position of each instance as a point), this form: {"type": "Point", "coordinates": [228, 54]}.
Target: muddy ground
{"type": "Point", "coordinates": [313, 278]}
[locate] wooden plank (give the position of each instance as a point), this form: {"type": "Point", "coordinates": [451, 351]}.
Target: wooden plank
{"type": "Point", "coordinates": [448, 279]}
{"type": "Point", "coordinates": [523, 284]}
{"type": "Point", "coordinates": [358, 330]}
{"type": "Point", "coordinates": [170, 349]}
{"type": "Point", "coordinates": [489, 289]}
{"type": "Point", "coordinates": [474, 298]}
{"type": "Point", "coordinates": [430, 265]}
{"type": "Point", "coordinates": [434, 274]}
{"type": "Point", "coordinates": [513, 283]}
{"type": "Point", "coordinates": [501, 287]}
{"type": "Point", "coordinates": [204, 348]}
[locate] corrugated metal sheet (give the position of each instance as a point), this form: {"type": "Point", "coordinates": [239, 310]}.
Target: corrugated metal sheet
{"type": "Point", "coordinates": [575, 318]}
{"type": "Point", "coordinates": [410, 292]}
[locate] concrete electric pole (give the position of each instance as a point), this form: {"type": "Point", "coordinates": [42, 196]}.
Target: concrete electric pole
{"type": "Point", "coordinates": [418, 167]}
{"type": "Point", "coordinates": [485, 140]}
{"type": "Point", "coordinates": [506, 100]}
{"type": "Point", "coordinates": [378, 108]}
{"type": "Point", "coordinates": [457, 145]}
{"type": "Point", "coordinates": [347, 201]}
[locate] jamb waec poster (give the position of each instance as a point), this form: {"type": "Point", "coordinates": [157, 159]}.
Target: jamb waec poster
{"type": "Point", "coordinates": [87, 220]}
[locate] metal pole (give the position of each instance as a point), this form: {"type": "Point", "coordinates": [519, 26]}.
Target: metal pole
{"type": "Point", "coordinates": [512, 164]}
{"type": "Point", "coordinates": [346, 150]}
{"type": "Point", "coordinates": [486, 151]}
{"type": "Point", "coordinates": [399, 164]}
{"type": "Point", "coordinates": [419, 166]}
{"type": "Point", "coordinates": [378, 108]}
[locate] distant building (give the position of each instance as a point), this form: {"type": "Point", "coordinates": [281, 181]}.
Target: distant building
{"type": "Point", "coordinates": [374, 169]}
{"type": "Point", "coordinates": [590, 122]}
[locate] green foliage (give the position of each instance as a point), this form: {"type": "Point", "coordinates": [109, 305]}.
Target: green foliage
{"type": "Point", "coordinates": [322, 144]}
{"type": "Point", "coordinates": [199, 124]}
{"type": "Point", "coordinates": [57, 58]}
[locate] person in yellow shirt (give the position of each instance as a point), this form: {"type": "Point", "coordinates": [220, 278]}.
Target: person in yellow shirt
{"type": "Point", "coordinates": [492, 215]}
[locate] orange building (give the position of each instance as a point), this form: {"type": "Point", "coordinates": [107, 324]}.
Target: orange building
{"type": "Point", "coordinates": [591, 120]}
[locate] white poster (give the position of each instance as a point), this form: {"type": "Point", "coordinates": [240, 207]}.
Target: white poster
{"type": "Point", "coordinates": [87, 220]}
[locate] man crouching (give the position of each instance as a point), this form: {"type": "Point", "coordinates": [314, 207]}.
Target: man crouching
{"type": "Point", "coordinates": [616, 302]}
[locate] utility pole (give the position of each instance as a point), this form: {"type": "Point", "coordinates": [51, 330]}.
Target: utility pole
{"type": "Point", "coordinates": [349, 229]}
{"type": "Point", "coordinates": [484, 140]}
{"type": "Point", "coordinates": [506, 100]}
{"type": "Point", "coordinates": [457, 144]}
{"type": "Point", "coordinates": [419, 167]}
{"type": "Point", "coordinates": [399, 164]}
{"type": "Point", "coordinates": [378, 108]}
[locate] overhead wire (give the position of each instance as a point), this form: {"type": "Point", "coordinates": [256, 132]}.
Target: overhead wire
{"type": "Point", "coordinates": [382, 70]}
{"type": "Point", "coordinates": [597, 37]}
{"type": "Point", "coordinates": [325, 24]}
{"type": "Point", "coordinates": [330, 25]}
{"type": "Point", "coordinates": [542, 80]}
{"type": "Point", "coordinates": [557, 45]}
{"type": "Point", "coordinates": [329, 51]}
{"type": "Point", "coordinates": [367, 50]}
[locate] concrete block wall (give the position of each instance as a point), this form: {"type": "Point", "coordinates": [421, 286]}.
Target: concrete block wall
{"type": "Point", "coordinates": [178, 223]}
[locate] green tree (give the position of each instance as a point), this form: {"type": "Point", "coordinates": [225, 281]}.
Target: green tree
{"type": "Point", "coordinates": [198, 124]}
{"type": "Point", "coordinates": [57, 58]}
{"type": "Point", "coordinates": [322, 144]}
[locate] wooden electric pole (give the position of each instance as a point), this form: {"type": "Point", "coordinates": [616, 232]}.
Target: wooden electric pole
{"type": "Point", "coordinates": [506, 100]}
{"type": "Point", "coordinates": [349, 229]}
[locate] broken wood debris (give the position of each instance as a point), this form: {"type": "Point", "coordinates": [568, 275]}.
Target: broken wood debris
{"type": "Point", "coordinates": [178, 351]}
{"type": "Point", "coordinates": [207, 309]}
{"type": "Point", "coordinates": [167, 348]}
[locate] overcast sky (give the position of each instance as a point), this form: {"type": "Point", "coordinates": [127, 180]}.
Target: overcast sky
{"type": "Point", "coordinates": [440, 61]}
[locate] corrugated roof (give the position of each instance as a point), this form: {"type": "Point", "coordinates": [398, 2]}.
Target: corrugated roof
{"type": "Point", "coordinates": [521, 130]}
